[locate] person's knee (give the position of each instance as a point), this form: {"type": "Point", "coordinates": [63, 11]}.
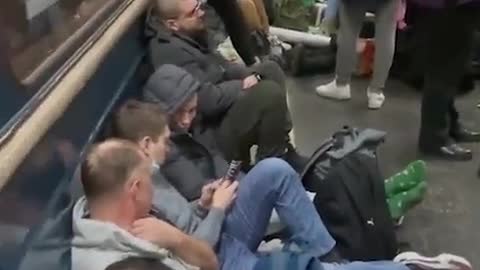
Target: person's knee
{"type": "Point", "coordinates": [271, 71]}
{"type": "Point", "coordinates": [270, 92]}
{"type": "Point", "coordinates": [276, 168]}
{"type": "Point", "coordinates": [262, 97]}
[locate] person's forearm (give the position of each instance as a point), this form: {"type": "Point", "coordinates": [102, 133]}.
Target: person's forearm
{"type": "Point", "coordinates": [195, 252]}
{"type": "Point", "coordinates": [209, 229]}
{"type": "Point", "coordinates": [198, 209]}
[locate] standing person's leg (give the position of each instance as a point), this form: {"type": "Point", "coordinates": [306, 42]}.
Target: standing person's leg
{"type": "Point", "coordinates": [436, 98]}
{"type": "Point", "coordinates": [444, 69]}
{"type": "Point", "coordinates": [454, 117]}
{"type": "Point", "coordinates": [273, 184]}
{"type": "Point", "coordinates": [352, 14]}
{"type": "Point", "coordinates": [415, 70]}
{"type": "Point", "coordinates": [385, 31]}
{"type": "Point", "coordinates": [457, 130]}
{"type": "Point", "coordinates": [231, 15]}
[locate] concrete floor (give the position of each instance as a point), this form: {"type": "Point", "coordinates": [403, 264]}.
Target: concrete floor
{"type": "Point", "coordinates": [448, 220]}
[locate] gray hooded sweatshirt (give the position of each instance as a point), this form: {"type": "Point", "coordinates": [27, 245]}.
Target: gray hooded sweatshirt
{"type": "Point", "coordinates": [194, 159]}
{"type": "Point", "coordinates": [97, 244]}
{"type": "Point", "coordinates": [191, 218]}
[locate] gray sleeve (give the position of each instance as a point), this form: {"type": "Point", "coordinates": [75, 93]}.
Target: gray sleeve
{"type": "Point", "coordinates": [198, 210]}
{"type": "Point", "coordinates": [183, 175]}
{"type": "Point", "coordinates": [209, 229]}
{"type": "Point", "coordinates": [236, 71]}
{"type": "Point", "coordinates": [215, 98]}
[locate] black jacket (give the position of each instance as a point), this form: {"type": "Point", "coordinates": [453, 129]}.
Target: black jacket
{"type": "Point", "coordinates": [221, 81]}
{"type": "Point", "coordinates": [194, 159]}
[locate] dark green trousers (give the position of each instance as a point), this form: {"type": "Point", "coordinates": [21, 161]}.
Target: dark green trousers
{"type": "Point", "coordinates": [260, 117]}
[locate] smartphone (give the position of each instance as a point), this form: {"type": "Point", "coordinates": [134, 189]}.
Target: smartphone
{"type": "Point", "coordinates": [233, 170]}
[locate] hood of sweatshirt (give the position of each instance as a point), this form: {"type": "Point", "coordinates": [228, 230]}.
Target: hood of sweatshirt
{"type": "Point", "coordinates": [171, 86]}
{"type": "Point", "coordinates": [96, 244]}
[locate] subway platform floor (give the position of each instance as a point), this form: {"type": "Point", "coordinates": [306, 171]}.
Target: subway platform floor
{"type": "Point", "coordinates": [448, 220]}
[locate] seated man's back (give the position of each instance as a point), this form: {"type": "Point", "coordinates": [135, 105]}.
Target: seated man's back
{"type": "Point", "coordinates": [96, 244]}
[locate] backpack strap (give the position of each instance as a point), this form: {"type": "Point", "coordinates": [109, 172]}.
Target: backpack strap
{"type": "Point", "coordinates": [356, 140]}
{"type": "Point", "coordinates": [322, 149]}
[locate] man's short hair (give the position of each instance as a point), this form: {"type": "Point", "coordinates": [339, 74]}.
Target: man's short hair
{"type": "Point", "coordinates": [136, 120]}
{"type": "Point", "coordinates": [108, 165]}
{"type": "Point", "coordinates": [138, 263]}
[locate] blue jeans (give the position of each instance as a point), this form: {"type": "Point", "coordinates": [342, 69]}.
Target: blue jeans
{"type": "Point", "coordinates": [273, 184]}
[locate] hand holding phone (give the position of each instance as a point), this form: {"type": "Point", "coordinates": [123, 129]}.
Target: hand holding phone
{"type": "Point", "coordinates": [225, 195]}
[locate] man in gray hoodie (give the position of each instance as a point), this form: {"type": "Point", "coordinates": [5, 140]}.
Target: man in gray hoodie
{"type": "Point", "coordinates": [112, 221]}
{"type": "Point", "coordinates": [201, 142]}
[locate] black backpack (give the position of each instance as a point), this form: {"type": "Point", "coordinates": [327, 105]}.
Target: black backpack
{"type": "Point", "coordinates": [350, 194]}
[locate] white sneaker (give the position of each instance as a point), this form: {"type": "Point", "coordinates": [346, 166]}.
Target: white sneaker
{"type": "Point", "coordinates": [375, 99]}
{"type": "Point", "coordinates": [441, 262]}
{"type": "Point", "coordinates": [334, 91]}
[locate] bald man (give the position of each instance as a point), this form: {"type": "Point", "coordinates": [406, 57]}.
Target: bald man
{"type": "Point", "coordinates": [113, 221]}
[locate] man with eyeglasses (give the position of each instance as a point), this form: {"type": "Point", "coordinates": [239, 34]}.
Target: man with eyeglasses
{"type": "Point", "coordinates": [244, 106]}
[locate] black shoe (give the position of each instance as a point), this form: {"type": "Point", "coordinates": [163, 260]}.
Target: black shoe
{"type": "Point", "coordinates": [464, 135]}
{"type": "Point", "coordinates": [452, 152]}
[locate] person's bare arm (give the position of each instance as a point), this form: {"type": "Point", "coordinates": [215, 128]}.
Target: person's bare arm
{"type": "Point", "coordinates": [195, 252]}
{"type": "Point", "coordinates": [187, 248]}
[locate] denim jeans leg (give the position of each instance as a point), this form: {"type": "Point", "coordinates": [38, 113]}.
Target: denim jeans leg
{"type": "Point", "coordinates": [273, 184]}
{"type": "Point", "coordinates": [235, 255]}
